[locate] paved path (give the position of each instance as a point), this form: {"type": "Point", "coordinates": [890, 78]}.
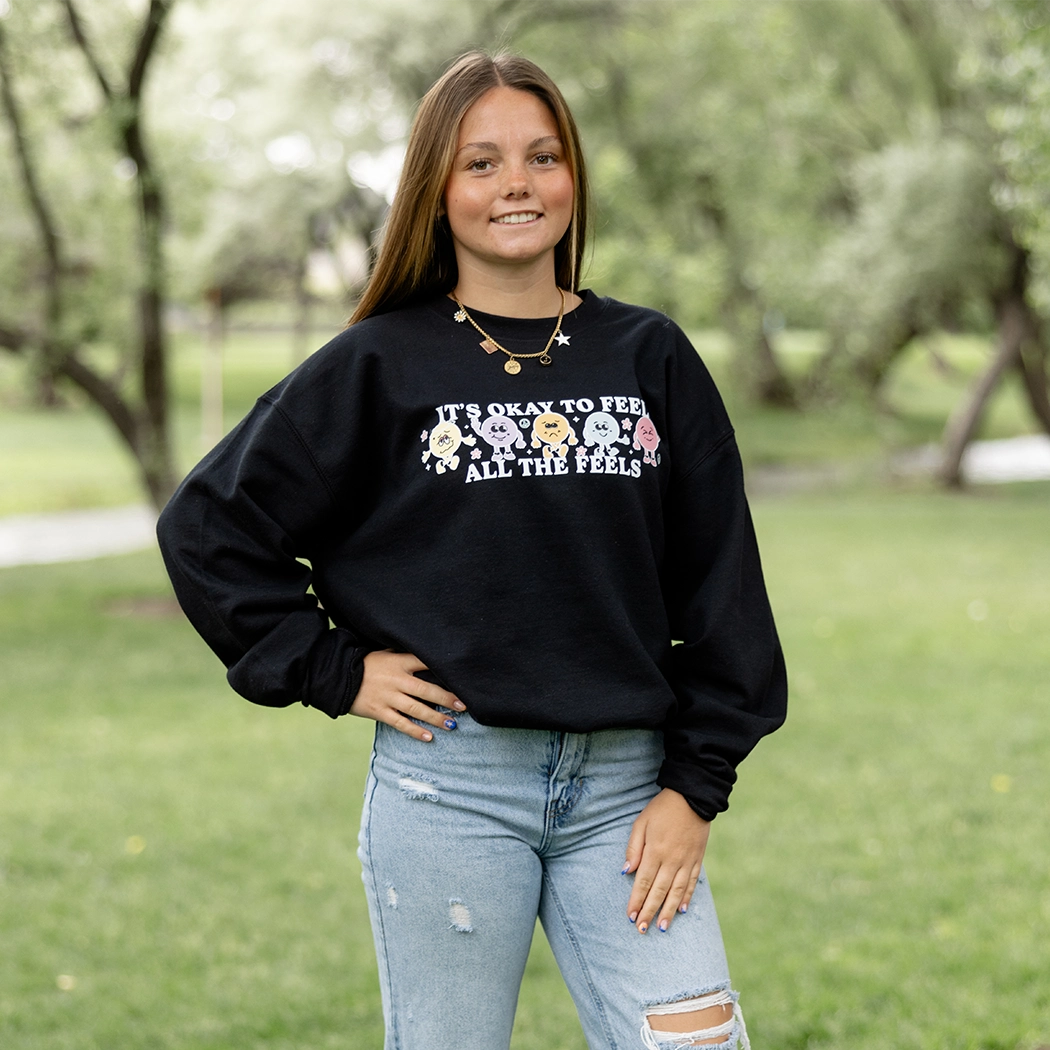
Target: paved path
{"type": "Point", "coordinates": [38, 539]}
{"type": "Point", "coordinates": [73, 535]}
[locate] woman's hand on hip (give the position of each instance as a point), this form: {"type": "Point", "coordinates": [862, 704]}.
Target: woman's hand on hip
{"type": "Point", "coordinates": [665, 852]}
{"type": "Point", "coordinates": [391, 693]}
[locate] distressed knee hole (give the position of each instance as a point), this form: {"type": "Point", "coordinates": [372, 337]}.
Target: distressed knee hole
{"type": "Point", "coordinates": [415, 786]}
{"type": "Point", "coordinates": [704, 1020]}
{"type": "Point", "coordinates": [459, 917]}
{"type": "Point", "coordinates": [391, 897]}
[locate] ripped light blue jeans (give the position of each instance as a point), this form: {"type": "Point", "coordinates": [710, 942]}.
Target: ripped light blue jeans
{"type": "Point", "coordinates": [467, 839]}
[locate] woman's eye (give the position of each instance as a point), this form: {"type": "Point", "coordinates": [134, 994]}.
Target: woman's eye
{"type": "Point", "coordinates": [480, 165]}
{"type": "Point", "coordinates": [546, 158]}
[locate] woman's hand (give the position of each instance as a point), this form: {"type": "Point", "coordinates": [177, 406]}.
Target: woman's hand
{"type": "Point", "coordinates": [391, 693]}
{"type": "Point", "coordinates": [665, 851]}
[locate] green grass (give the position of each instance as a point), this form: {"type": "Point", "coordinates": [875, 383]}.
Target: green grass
{"type": "Point", "coordinates": [70, 458]}
{"type": "Point", "coordinates": [878, 887]}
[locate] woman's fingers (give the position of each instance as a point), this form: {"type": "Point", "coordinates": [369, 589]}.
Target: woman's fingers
{"type": "Point", "coordinates": [655, 895]}
{"type": "Point", "coordinates": [433, 694]}
{"type": "Point", "coordinates": [665, 850]}
{"type": "Point", "coordinates": [657, 898]}
{"type": "Point", "coordinates": [391, 693]}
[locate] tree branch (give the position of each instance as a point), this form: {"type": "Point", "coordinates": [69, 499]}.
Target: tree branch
{"type": "Point", "coordinates": [15, 340]}
{"type": "Point", "coordinates": [936, 58]}
{"type": "Point", "coordinates": [77, 29]}
{"type": "Point", "coordinates": [158, 11]}
{"type": "Point", "coordinates": [104, 394]}
{"type": "Point", "coordinates": [38, 205]}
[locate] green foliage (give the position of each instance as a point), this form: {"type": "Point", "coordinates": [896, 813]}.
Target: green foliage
{"type": "Point", "coordinates": [1019, 73]}
{"type": "Point", "coordinates": [922, 243]}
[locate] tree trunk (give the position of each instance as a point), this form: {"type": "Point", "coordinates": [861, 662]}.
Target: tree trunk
{"type": "Point", "coordinates": [1016, 327]}
{"type": "Point", "coordinates": [762, 377]}
{"type": "Point", "coordinates": [1032, 366]}
{"type": "Point", "coordinates": [212, 423]}
{"type": "Point", "coordinates": [301, 324]}
{"type": "Point", "coordinates": [743, 312]}
{"type": "Point", "coordinates": [872, 367]}
{"type": "Point", "coordinates": [153, 445]}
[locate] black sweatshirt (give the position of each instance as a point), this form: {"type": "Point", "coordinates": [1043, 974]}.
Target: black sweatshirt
{"type": "Point", "coordinates": [537, 540]}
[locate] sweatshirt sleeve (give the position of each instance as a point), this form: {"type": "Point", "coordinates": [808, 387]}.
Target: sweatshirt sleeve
{"type": "Point", "coordinates": [231, 537]}
{"type": "Point", "coordinates": [728, 671]}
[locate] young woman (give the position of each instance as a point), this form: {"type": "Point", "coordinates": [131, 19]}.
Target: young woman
{"type": "Point", "coordinates": [512, 495]}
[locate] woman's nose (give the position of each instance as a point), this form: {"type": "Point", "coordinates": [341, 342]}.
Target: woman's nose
{"type": "Point", "coordinates": [516, 181]}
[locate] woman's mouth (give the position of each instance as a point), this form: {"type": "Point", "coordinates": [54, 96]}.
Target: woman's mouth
{"type": "Point", "coordinates": [517, 217]}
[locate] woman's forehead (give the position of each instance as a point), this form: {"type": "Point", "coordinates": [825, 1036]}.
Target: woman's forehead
{"type": "Point", "coordinates": [504, 112]}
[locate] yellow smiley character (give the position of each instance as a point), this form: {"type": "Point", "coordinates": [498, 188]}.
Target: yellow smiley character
{"type": "Point", "coordinates": [445, 440]}
{"type": "Point", "coordinates": [550, 430]}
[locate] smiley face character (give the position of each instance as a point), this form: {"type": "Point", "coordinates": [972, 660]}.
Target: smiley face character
{"type": "Point", "coordinates": [602, 430]}
{"type": "Point", "coordinates": [646, 437]}
{"type": "Point", "coordinates": [501, 432]}
{"type": "Point", "coordinates": [445, 440]}
{"type": "Point", "coordinates": [550, 430]}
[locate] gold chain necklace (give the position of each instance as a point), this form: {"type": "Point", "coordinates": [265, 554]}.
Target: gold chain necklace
{"type": "Point", "coordinates": [489, 345]}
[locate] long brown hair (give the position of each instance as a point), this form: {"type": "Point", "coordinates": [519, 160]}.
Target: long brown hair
{"type": "Point", "coordinates": [416, 254]}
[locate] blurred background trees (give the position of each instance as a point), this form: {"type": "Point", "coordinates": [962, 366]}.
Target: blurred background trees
{"type": "Point", "coordinates": [875, 172]}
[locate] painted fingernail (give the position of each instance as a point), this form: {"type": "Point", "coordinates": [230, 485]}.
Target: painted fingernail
{"type": "Point", "coordinates": [428, 736]}
{"type": "Point", "coordinates": [459, 705]}
{"type": "Point", "coordinates": [633, 916]}
{"type": "Point", "coordinates": [663, 926]}
{"type": "Point", "coordinates": [626, 868]}
{"type": "Point", "coordinates": [684, 908]}
{"type": "Point", "coordinates": [643, 927]}
{"type": "Point", "coordinates": [450, 723]}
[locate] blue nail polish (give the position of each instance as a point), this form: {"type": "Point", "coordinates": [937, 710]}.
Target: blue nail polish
{"type": "Point", "coordinates": [684, 908]}
{"type": "Point", "coordinates": [642, 928]}
{"type": "Point", "coordinates": [631, 918]}
{"type": "Point", "coordinates": [626, 869]}
{"type": "Point", "coordinates": [450, 723]}
{"type": "Point", "coordinates": [663, 926]}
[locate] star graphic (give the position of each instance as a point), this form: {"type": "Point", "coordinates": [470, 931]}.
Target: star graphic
{"type": "Point", "coordinates": [563, 339]}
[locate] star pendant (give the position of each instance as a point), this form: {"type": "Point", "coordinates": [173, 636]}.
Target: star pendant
{"type": "Point", "coordinates": [562, 339]}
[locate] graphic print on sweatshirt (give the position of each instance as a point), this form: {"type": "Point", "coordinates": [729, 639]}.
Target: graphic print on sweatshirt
{"type": "Point", "coordinates": [609, 435]}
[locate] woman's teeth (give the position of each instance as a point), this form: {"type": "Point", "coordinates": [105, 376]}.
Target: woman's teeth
{"type": "Point", "coordinates": [524, 216]}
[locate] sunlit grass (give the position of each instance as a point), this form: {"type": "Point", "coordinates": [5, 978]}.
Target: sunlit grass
{"type": "Point", "coordinates": [177, 867]}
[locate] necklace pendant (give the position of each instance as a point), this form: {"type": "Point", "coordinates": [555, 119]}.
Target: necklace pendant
{"type": "Point", "coordinates": [460, 315]}
{"type": "Point", "coordinates": [488, 346]}
{"type": "Point", "coordinates": [545, 359]}
{"type": "Point", "coordinates": [512, 366]}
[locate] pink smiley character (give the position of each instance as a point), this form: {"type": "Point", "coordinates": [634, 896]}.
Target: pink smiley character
{"type": "Point", "coordinates": [646, 437]}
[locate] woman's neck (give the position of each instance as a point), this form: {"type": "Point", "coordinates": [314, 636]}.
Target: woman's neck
{"type": "Point", "coordinates": [522, 295]}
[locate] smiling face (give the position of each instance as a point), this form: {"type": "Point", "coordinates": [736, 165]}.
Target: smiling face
{"type": "Point", "coordinates": [499, 432]}
{"type": "Point", "coordinates": [509, 197]}
{"type": "Point", "coordinates": [645, 434]}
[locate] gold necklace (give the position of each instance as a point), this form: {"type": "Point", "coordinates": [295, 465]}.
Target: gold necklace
{"type": "Point", "coordinates": [489, 345]}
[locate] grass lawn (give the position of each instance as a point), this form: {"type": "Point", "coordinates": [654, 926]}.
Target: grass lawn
{"type": "Point", "coordinates": [177, 867]}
